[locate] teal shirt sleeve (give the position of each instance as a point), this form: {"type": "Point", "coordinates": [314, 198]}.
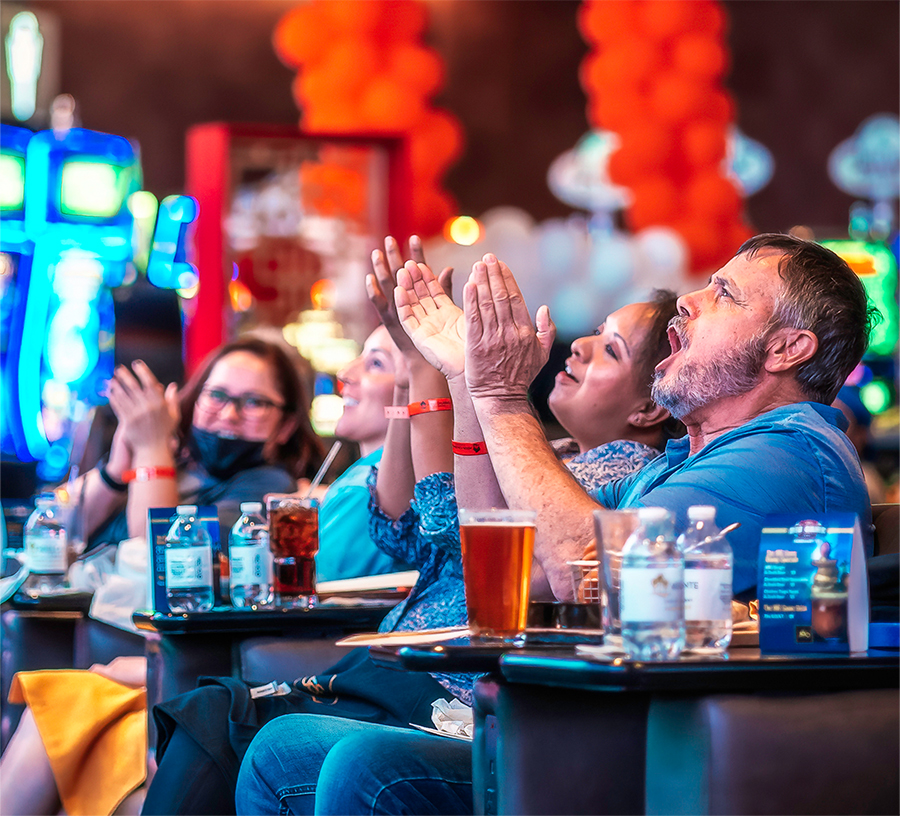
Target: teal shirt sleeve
{"type": "Point", "coordinates": [346, 550]}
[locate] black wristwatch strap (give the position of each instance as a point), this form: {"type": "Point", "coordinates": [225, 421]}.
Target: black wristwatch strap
{"type": "Point", "coordinates": [112, 484]}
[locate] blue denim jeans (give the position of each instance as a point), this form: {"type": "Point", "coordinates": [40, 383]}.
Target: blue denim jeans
{"type": "Point", "coordinates": [369, 769]}
{"type": "Point", "coordinates": [396, 771]}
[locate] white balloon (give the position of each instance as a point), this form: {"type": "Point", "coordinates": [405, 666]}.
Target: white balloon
{"type": "Point", "coordinates": [662, 259]}
{"type": "Point", "coordinates": [612, 263]}
{"type": "Point", "coordinates": [574, 311]}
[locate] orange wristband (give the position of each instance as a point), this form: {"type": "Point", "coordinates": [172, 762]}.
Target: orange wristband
{"type": "Point", "coordinates": [145, 474]}
{"type": "Point", "coordinates": [427, 406]}
{"type": "Point", "coordinates": [468, 448]}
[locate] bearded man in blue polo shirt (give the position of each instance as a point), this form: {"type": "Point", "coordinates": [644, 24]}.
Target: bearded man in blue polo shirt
{"type": "Point", "coordinates": [757, 357]}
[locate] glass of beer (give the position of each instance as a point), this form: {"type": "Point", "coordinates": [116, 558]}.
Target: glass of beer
{"type": "Point", "coordinates": [497, 548]}
{"type": "Point", "coordinates": [294, 541]}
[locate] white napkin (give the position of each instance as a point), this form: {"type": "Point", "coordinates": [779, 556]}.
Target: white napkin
{"type": "Point", "coordinates": [454, 718]}
{"type": "Point", "coordinates": [124, 591]}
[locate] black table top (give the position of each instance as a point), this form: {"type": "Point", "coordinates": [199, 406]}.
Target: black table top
{"type": "Point", "coordinates": [351, 618]}
{"type": "Point", "coordinates": [464, 655]}
{"type": "Point", "coordinates": [558, 664]}
{"type": "Point", "coordinates": [740, 670]}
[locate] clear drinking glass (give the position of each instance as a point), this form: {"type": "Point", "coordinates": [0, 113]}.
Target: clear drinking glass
{"type": "Point", "coordinates": [612, 528]}
{"type": "Point", "coordinates": [294, 541]}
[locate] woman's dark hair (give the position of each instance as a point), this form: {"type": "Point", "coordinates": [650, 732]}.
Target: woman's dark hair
{"type": "Point", "coordinates": [302, 452]}
{"type": "Point", "coordinates": [656, 347]}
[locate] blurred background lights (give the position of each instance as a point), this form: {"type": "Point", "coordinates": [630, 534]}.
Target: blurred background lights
{"type": "Point", "coordinates": [876, 396]}
{"type": "Point", "coordinates": [6, 266]}
{"type": "Point", "coordinates": [189, 292]}
{"type": "Point", "coordinates": [321, 293]}
{"type": "Point", "coordinates": [92, 189]}
{"type": "Point", "coordinates": [72, 342]}
{"type": "Point", "coordinates": [24, 49]}
{"type": "Point", "coordinates": [12, 182]}
{"type": "Point", "coordinates": [239, 294]}
{"type": "Point", "coordinates": [77, 276]}
{"type": "Point", "coordinates": [463, 230]}
{"type": "Point", "coordinates": [143, 204]}
{"type": "Point", "coordinates": [325, 412]}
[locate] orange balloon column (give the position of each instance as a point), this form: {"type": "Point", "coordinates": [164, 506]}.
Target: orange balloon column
{"type": "Point", "coordinates": [362, 67]}
{"type": "Point", "coordinates": [654, 76]}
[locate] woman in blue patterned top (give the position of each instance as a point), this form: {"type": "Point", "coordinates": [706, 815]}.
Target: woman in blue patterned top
{"type": "Point", "coordinates": [602, 398]}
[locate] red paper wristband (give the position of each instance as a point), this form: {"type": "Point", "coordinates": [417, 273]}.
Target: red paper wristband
{"type": "Point", "coordinates": [469, 448]}
{"type": "Point", "coordinates": [145, 474]}
{"type": "Point", "coordinates": [396, 412]}
{"type": "Point", "coordinates": [427, 406]}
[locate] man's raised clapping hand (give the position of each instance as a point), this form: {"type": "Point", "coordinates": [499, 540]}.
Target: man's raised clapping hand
{"type": "Point", "coordinates": [492, 340]}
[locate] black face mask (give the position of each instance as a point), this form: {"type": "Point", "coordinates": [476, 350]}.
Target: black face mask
{"type": "Point", "coordinates": [222, 457]}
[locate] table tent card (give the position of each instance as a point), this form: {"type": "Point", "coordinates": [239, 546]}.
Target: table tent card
{"type": "Point", "coordinates": [160, 519]}
{"type": "Point", "coordinates": [813, 587]}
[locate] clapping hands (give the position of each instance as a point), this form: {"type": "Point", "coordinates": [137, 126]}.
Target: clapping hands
{"type": "Point", "coordinates": [504, 349]}
{"type": "Point", "coordinates": [381, 282]}
{"type": "Point", "coordinates": [148, 414]}
{"type": "Point", "coordinates": [492, 340]}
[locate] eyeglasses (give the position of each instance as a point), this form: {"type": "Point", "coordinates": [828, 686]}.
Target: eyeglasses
{"type": "Point", "coordinates": [250, 406]}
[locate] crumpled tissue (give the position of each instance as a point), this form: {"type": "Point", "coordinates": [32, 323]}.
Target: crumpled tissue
{"type": "Point", "coordinates": [125, 590]}
{"type": "Point", "coordinates": [453, 717]}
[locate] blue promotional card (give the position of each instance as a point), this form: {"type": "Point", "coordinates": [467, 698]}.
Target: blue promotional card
{"type": "Point", "coordinates": [159, 520]}
{"type": "Point", "coordinates": [813, 587]}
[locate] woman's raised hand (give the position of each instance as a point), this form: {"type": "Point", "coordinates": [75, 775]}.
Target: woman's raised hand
{"type": "Point", "coordinates": [381, 282]}
{"type": "Point", "coordinates": [433, 321]}
{"type": "Point", "coordinates": [148, 414]}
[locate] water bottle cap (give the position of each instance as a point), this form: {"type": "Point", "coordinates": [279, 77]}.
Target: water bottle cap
{"type": "Point", "coordinates": [186, 509]}
{"type": "Point", "coordinates": [652, 514]}
{"type": "Point", "coordinates": [706, 512]}
{"type": "Point", "coordinates": [251, 507]}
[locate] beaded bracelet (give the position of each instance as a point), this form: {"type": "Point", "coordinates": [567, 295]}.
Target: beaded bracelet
{"type": "Point", "coordinates": [145, 474]}
{"type": "Point", "coordinates": [469, 448]}
{"type": "Point", "coordinates": [429, 405]}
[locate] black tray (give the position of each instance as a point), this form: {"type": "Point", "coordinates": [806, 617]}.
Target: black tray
{"type": "Point", "coordinates": [75, 602]}
{"type": "Point", "coordinates": [363, 618]}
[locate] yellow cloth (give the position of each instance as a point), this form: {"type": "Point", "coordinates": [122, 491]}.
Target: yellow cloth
{"type": "Point", "coordinates": [94, 731]}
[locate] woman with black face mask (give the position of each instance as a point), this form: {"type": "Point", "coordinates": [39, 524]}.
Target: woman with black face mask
{"type": "Point", "coordinates": [238, 429]}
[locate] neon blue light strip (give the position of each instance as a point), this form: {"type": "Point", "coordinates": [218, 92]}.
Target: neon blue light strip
{"type": "Point", "coordinates": [36, 306]}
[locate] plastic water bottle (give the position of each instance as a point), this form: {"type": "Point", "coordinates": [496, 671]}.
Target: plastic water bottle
{"type": "Point", "coordinates": [251, 561]}
{"type": "Point", "coordinates": [189, 573]}
{"type": "Point", "coordinates": [652, 589]}
{"type": "Point", "coordinates": [46, 548]}
{"type": "Point", "coordinates": [708, 565]}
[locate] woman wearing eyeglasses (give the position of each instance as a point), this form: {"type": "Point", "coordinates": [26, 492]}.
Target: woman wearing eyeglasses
{"type": "Point", "coordinates": [238, 430]}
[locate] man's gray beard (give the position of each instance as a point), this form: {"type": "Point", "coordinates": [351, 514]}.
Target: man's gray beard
{"type": "Point", "coordinates": [695, 385]}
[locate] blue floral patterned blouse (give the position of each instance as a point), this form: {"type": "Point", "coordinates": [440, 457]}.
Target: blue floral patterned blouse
{"type": "Point", "coordinates": [426, 536]}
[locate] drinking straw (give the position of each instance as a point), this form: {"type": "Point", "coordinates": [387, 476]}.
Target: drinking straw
{"type": "Point", "coordinates": [722, 533]}
{"type": "Point", "coordinates": [335, 448]}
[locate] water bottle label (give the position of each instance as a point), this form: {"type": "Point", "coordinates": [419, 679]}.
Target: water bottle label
{"type": "Point", "coordinates": [46, 553]}
{"type": "Point", "coordinates": [188, 567]}
{"type": "Point", "coordinates": [650, 595]}
{"type": "Point", "coordinates": [248, 567]}
{"type": "Point", "coordinates": [707, 594]}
